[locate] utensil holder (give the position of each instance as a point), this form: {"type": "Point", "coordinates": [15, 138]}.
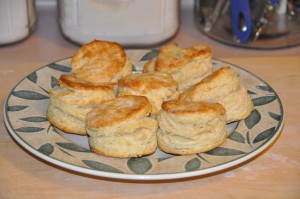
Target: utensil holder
{"type": "Point", "coordinates": [274, 24]}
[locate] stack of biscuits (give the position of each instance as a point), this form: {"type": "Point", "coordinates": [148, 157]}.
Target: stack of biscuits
{"type": "Point", "coordinates": [178, 103]}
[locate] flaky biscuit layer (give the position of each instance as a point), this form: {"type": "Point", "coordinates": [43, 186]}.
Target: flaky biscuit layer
{"type": "Point", "coordinates": [190, 127]}
{"type": "Point", "coordinates": [224, 87]}
{"type": "Point", "coordinates": [132, 138]}
{"type": "Point", "coordinates": [72, 100]}
{"type": "Point", "coordinates": [186, 65]}
{"type": "Point", "coordinates": [122, 127]}
{"type": "Point", "coordinates": [156, 86]}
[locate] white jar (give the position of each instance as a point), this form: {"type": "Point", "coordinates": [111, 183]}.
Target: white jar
{"type": "Point", "coordinates": [128, 22]}
{"type": "Point", "coordinates": [17, 19]}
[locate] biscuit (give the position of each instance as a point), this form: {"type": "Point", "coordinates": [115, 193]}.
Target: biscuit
{"type": "Point", "coordinates": [100, 62]}
{"type": "Point", "coordinates": [224, 87]}
{"type": "Point", "coordinates": [122, 127]}
{"type": "Point", "coordinates": [156, 86]}
{"type": "Point", "coordinates": [187, 65]}
{"type": "Point", "coordinates": [72, 100]}
{"type": "Point", "coordinates": [190, 127]}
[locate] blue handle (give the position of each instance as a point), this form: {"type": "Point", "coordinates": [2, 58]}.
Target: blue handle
{"type": "Point", "coordinates": [241, 19]}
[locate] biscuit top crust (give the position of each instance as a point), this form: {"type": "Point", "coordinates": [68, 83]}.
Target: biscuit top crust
{"type": "Point", "coordinates": [178, 107]}
{"type": "Point", "coordinates": [171, 57]}
{"type": "Point", "coordinates": [98, 57]}
{"type": "Point", "coordinates": [118, 110]}
{"type": "Point", "coordinates": [224, 74]}
{"type": "Point", "coordinates": [224, 78]}
{"type": "Point", "coordinates": [74, 93]}
{"type": "Point", "coordinates": [217, 85]}
{"type": "Point", "coordinates": [146, 82]}
{"type": "Point", "coordinates": [71, 82]}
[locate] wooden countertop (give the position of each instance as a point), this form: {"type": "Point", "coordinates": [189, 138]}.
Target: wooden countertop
{"type": "Point", "coordinates": [275, 173]}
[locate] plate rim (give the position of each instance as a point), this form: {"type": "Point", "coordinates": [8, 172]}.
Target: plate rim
{"type": "Point", "coordinates": [127, 176]}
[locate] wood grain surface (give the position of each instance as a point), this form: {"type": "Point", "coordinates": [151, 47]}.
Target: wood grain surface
{"type": "Point", "coordinates": [275, 173]}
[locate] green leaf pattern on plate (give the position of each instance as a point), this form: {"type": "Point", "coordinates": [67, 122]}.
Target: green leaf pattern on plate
{"type": "Point", "coordinates": [265, 88]}
{"type": "Point", "coordinates": [260, 101]}
{"type": "Point", "coordinates": [72, 147]}
{"type": "Point", "coordinates": [163, 159]}
{"type": "Point", "coordinates": [34, 119]}
{"type": "Point", "coordinates": [33, 77]}
{"type": "Point", "coordinates": [253, 119]}
{"type": "Point", "coordinates": [101, 166]}
{"type": "Point", "coordinates": [65, 152]}
{"type": "Point", "coordinates": [222, 151]}
{"type": "Point", "coordinates": [59, 67]}
{"type": "Point", "coordinates": [237, 137]}
{"type": "Point", "coordinates": [54, 82]}
{"type": "Point", "coordinates": [275, 116]}
{"type": "Point", "coordinates": [29, 129]}
{"type": "Point", "coordinates": [248, 139]}
{"type": "Point", "coordinates": [139, 165]}
{"type": "Point", "coordinates": [264, 135]}
{"type": "Point", "coordinates": [193, 164]}
{"type": "Point", "coordinates": [29, 95]}
{"type": "Point", "coordinates": [16, 108]}
{"type": "Point", "coordinates": [46, 149]}
{"type": "Point", "coordinates": [200, 156]}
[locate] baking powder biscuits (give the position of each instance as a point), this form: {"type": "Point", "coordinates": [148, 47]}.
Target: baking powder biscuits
{"type": "Point", "coordinates": [224, 87]}
{"type": "Point", "coordinates": [122, 127]}
{"type": "Point", "coordinates": [72, 100]}
{"type": "Point", "coordinates": [156, 86]}
{"type": "Point", "coordinates": [100, 62]}
{"type": "Point", "coordinates": [187, 65]}
{"type": "Point", "coordinates": [190, 127]}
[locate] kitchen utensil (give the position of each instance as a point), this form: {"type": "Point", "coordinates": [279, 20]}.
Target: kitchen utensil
{"type": "Point", "coordinates": [241, 19]}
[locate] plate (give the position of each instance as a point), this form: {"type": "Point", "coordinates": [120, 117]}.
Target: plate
{"type": "Point", "coordinates": [24, 116]}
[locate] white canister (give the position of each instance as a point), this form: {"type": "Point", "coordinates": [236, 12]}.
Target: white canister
{"type": "Point", "coordinates": [128, 22]}
{"type": "Point", "coordinates": [17, 20]}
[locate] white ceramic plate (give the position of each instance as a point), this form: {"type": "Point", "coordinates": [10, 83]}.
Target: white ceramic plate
{"type": "Point", "coordinates": [24, 116]}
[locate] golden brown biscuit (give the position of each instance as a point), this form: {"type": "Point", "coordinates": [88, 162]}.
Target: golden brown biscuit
{"type": "Point", "coordinates": [72, 100]}
{"type": "Point", "coordinates": [224, 87]}
{"type": "Point", "coordinates": [157, 87]}
{"type": "Point", "coordinates": [122, 127]}
{"type": "Point", "coordinates": [190, 127]}
{"type": "Point", "coordinates": [187, 65]}
{"type": "Point", "coordinates": [100, 62]}
{"type": "Point", "coordinates": [149, 66]}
